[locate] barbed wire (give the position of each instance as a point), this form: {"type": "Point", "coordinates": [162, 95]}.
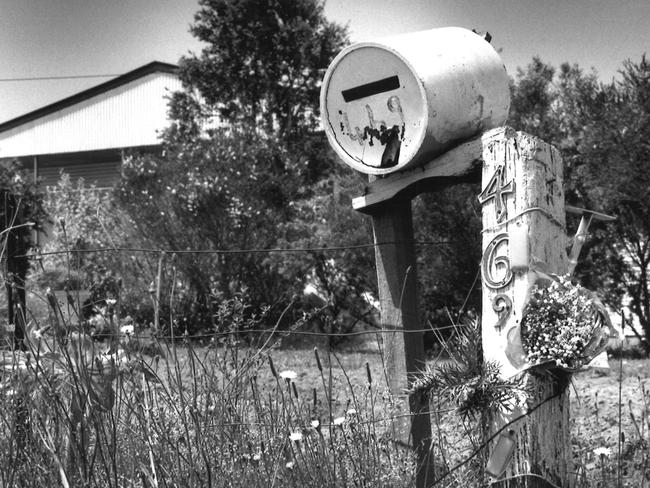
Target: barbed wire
{"type": "Point", "coordinates": [38, 255]}
{"type": "Point", "coordinates": [291, 332]}
{"type": "Point", "coordinates": [349, 419]}
{"type": "Point", "coordinates": [270, 331]}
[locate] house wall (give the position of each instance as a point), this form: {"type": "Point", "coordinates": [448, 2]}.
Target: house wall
{"type": "Point", "coordinates": [100, 168]}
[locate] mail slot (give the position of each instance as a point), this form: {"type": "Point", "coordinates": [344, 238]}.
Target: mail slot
{"type": "Point", "coordinates": [401, 101]}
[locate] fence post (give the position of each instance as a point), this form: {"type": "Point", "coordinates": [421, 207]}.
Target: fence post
{"type": "Point", "coordinates": [15, 272]}
{"type": "Point", "coordinates": [524, 234]}
{"type": "Point", "coordinates": [15, 269]}
{"type": "Point", "coordinates": [403, 349]}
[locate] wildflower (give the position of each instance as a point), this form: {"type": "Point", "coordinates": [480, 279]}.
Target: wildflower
{"type": "Point", "coordinates": [108, 363]}
{"type": "Point", "coordinates": [351, 412]}
{"type": "Point", "coordinates": [127, 330]}
{"type": "Point", "coordinates": [315, 423]}
{"type": "Point", "coordinates": [288, 375]}
{"type": "Point", "coordinates": [295, 436]}
{"type": "Point", "coordinates": [289, 465]}
{"type": "Point", "coordinates": [257, 457]}
{"type": "Point", "coordinates": [111, 301]}
{"type": "Point", "coordinates": [339, 420]}
{"type": "Point", "coordinates": [603, 452]}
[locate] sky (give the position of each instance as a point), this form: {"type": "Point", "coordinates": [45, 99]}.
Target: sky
{"type": "Point", "coordinates": [56, 38]}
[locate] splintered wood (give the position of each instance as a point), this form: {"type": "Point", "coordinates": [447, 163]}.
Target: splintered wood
{"type": "Point", "coordinates": [524, 238]}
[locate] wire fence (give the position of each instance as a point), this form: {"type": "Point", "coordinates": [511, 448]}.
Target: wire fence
{"type": "Point", "coordinates": [287, 250]}
{"type": "Point", "coordinates": [74, 305]}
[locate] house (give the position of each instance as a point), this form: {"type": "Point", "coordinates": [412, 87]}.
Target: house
{"type": "Point", "coordinates": [86, 134]}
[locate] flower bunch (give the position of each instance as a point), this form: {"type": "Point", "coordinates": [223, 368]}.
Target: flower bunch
{"type": "Point", "coordinates": [563, 323]}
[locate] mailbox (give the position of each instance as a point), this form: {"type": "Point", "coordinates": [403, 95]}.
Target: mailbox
{"type": "Point", "coordinates": [401, 101]}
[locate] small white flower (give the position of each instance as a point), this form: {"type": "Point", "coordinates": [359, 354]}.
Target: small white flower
{"type": "Point", "coordinates": [339, 420]}
{"type": "Point", "coordinates": [111, 301]}
{"type": "Point", "coordinates": [315, 423]}
{"type": "Point", "coordinates": [127, 330]}
{"type": "Point", "coordinates": [257, 457]}
{"type": "Point", "coordinates": [289, 465]}
{"type": "Point", "coordinates": [603, 452]}
{"type": "Point", "coordinates": [351, 412]}
{"type": "Point", "coordinates": [295, 436]}
{"type": "Point", "coordinates": [288, 375]}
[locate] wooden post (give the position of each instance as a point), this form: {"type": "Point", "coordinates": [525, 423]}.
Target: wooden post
{"type": "Point", "coordinates": [388, 201]}
{"type": "Point", "coordinates": [524, 235]}
{"type": "Point", "coordinates": [15, 269]}
{"type": "Point", "coordinates": [403, 350]}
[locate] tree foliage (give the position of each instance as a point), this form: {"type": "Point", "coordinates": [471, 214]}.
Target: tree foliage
{"type": "Point", "coordinates": [224, 194]}
{"type": "Point", "coordinates": [602, 131]}
{"type": "Point", "coordinates": [240, 156]}
{"type": "Point", "coordinates": [84, 218]}
{"type": "Point", "coordinates": [263, 62]}
{"type": "Point", "coordinates": [448, 226]}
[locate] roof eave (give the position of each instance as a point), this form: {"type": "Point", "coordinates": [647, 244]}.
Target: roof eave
{"type": "Point", "coordinates": [147, 69]}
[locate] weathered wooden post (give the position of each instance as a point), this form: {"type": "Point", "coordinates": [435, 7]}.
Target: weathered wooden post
{"type": "Point", "coordinates": [403, 349]}
{"type": "Point", "coordinates": [15, 268]}
{"type": "Point", "coordinates": [524, 238]}
{"type": "Point", "coordinates": [15, 273]}
{"type": "Point", "coordinates": [391, 109]}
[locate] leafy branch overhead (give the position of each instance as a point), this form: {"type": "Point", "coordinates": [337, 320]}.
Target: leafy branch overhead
{"type": "Point", "coordinates": [263, 62]}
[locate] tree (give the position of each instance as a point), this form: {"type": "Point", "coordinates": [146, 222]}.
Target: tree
{"type": "Point", "coordinates": [448, 226]}
{"type": "Point", "coordinates": [240, 152]}
{"type": "Point", "coordinates": [222, 194]}
{"type": "Point", "coordinates": [343, 278]}
{"type": "Point", "coordinates": [616, 179]}
{"type": "Point", "coordinates": [263, 63]}
{"type": "Point", "coordinates": [602, 131]}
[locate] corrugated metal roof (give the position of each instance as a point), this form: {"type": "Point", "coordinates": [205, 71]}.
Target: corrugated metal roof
{"type": "Point", "coordinates": [153, 67]}
{"type": "Point", "coordinates": [126, 111]}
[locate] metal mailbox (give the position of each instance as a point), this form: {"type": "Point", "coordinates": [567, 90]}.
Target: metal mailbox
{"type": "Point", "coordinates": [400, 101]}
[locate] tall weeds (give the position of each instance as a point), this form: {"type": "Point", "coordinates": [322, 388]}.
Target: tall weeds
{"type": "Point", "coordinates": [134, 410]}
{"type": "Point", "coordinates": [104, 413]}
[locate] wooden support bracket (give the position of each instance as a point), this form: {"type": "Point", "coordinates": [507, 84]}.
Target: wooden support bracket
{"type": "Point", "coordinates": [462, 163]}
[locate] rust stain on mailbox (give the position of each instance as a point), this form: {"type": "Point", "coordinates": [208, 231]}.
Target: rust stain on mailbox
{"type": "Point", "coordinates": [401, 101]}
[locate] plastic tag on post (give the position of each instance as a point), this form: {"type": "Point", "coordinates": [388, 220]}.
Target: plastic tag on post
{"type": "Point", "coordinates": [401, 101]}
{"type": "Point", "coordinates": [501, 455]}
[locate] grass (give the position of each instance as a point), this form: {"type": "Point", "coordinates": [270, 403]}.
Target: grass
{"type": "Point", "coordinates": [598, 417]}
{"type": "Point", "coordinates": [138, 412]}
